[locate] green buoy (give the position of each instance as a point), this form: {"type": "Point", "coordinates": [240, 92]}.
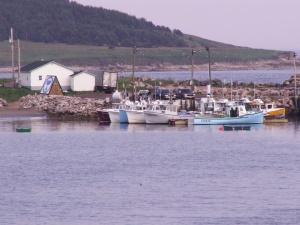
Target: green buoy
{"type": "Point", "coordinates": [23, 129]}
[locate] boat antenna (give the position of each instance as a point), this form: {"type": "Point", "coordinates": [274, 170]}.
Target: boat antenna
{"type": "Point", "coordinates": [253, 90]}
{"type": "Point", "coordinates": [231, 87]}
{"type": "Point", "coordinates": [209, 73]}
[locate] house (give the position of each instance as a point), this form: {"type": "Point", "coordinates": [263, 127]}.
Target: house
{"type": "Point", "coordinates": [82, 81]}
{"type": "Point", "coordinates": [33, 75]}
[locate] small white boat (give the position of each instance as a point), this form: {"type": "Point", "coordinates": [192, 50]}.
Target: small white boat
{"type": "Point", "coordinates": [114, 112]}
{"type": "Point", "coordinates": [136, 114]}
{"type": "Point", "coordinates": [162, 113]}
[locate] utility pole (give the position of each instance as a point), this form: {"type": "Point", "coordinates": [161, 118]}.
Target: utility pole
{"type": "Point", "coordinates": [19, 63]}
{"type": "Point", "coordinates": [135, 49]}
{"type": "Point", "coordinates": [192, 78]}
{"type": "Point", "coordinates": [11, 40]}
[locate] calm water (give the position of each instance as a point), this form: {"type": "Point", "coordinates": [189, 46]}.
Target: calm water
{"type": "Point", "coordinates": [86, 173]}
{"type": "Point", "coordinates": [255, 76]}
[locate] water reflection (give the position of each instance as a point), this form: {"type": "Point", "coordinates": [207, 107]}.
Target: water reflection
{"type": "Point", "coordinates": [202, 128]}
{"type": "Point", "coordinates": [43, 124]}
{"type": "Point", "coordinates": [142, 127]}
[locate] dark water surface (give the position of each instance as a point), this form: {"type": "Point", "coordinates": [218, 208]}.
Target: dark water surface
{"type": "Point", "coordinates": [86, 173]}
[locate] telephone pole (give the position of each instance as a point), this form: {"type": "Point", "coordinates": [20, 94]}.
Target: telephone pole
{"type": "Point", "coordinates": [11, 40]}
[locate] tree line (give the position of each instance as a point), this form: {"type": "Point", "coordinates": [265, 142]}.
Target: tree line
{"type": "Point", "coordinates": [64, 21]}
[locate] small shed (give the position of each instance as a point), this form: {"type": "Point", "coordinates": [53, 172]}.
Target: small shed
{"type": "Point", "coordinates": [51, 86]}
{"type": "Point", "coordinates": [82, 81]}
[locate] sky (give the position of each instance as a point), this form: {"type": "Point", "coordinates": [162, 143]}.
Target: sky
{"type": "Point", "coordinates": [264, 24]}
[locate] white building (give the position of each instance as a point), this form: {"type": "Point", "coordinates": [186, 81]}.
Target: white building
{"type": "Point", "coordinates": [82, 81]}
{"type": "Point", "coordinates": [33, 75]}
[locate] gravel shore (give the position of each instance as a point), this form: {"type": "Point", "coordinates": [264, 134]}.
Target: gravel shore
{"type": "Point", "coordinates": [13, 110]}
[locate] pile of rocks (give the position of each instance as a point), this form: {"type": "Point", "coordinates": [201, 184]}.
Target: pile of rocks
{"type": "Point", "coordinates": [64, 106]}
{"type": "Point", "coordinates": [3, 102]}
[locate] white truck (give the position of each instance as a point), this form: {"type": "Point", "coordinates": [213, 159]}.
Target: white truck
{"type": "Point", "coordinates": [106, 81]}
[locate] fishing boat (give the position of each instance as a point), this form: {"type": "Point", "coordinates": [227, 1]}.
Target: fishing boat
{"type": "Point", "coordinates": [269, 109]}
{"type": "Point", "coordinates": [123, 114]}
{"type": "Point", "coordinates": [136, 114]}
{"type": "Point", "coordinates": [114, 112]}
{"type": "Point", "coordinates": [233, 114]}
{"type": "Point", "coordinates": [103, 116]}
{"type": "Point", "coordinates": [163, 113]}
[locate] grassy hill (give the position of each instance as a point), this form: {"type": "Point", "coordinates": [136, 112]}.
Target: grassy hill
{"type": "Point", "coordinates": [73, 34]}
{"type": "Point", "coordinates": [87, 55]}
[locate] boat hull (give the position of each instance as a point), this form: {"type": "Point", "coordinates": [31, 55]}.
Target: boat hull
{"type": "Point", "coordinates": [23, 129]}
{"type": "Point", "coordinates": [136, 116]}
{"type": "Point", "coordinates": [164, 118]}
{"type": "Point", "coordinates": [254, 118]}
{"type": "Point", "coordinates": [158, 118]}
{"type": "Point", "coordinates": [114, 116]}
{"type": "Point", "coordinates": [275, 113]}
{"type": "Point", "coordinates": [123, 116]}
{"type": "Point", "coordinates": [103, 116]}
{"type": "Point", "coordinates": [236, 127]}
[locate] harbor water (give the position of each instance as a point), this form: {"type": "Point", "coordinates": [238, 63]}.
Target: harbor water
{"type": "Point", "coordinates": [82, 172]}
{"type": "Point", "coordinates": [247, 76]}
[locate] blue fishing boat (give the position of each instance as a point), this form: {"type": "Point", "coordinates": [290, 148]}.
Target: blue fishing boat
{"type": "Point", "coordinates": [234, 114]}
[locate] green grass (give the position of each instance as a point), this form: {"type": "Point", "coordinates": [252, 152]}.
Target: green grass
{"type": "Point", "coordinates": [84, 55]}
{"type": "Point", "coordinates": [13, 94]}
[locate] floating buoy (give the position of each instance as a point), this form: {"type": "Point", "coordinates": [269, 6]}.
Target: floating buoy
{"type": "Point", "coordinates": [220, 128]}
{"type": "Point", "coordinates": [23, 129]}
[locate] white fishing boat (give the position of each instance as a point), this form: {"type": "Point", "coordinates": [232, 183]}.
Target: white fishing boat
{"type": "Point", "coordinates": [136, 114]}
{"type": "Point", "coordinates": [114, 112]}
{"type": "Point", "coordinates": [162, 113]}
{"type": "Point", "coordinates": [123, 112]}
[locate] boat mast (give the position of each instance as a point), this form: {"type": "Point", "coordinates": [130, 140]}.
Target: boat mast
{"type": "Point", "coordinates": [134, 50]}
{"type": "Point", "coordinates": [192, 78]}
{"type": "Point", "coordinates": [231, 87]}
{"type": "Point", "coordinates": [209, 73]}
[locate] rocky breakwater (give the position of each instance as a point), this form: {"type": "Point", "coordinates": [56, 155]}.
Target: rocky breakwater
{"type": "Point", "coordinates": [64, 107]}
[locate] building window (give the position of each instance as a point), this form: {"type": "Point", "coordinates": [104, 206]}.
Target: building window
{"type": "Point", "coordinates": [40, 77]}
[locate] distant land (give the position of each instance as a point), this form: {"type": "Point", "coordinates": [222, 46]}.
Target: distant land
{"type": "Point", "coordinates": [92, 37]}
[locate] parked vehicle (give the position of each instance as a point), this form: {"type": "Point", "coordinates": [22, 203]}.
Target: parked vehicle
{"type": "Point", "coordinates": [163, 94]}
{"type": "Point", "coordinates": [184, 93]}
{"type": "Point", "coordinates": [106, 81]}
{"type": "Point", "coordinates": [144, 94]}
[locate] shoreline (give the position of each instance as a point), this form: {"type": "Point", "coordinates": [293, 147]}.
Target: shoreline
{"type": "Point", "coordinates": [281, 64]}
{"type": "Point", "coordinates": [13, 110]}
{"type": "Point", "coordinates": [15, 113]}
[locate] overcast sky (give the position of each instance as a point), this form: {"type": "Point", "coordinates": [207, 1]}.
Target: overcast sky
{"type": "Point", "coordinates": [266, 24]}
